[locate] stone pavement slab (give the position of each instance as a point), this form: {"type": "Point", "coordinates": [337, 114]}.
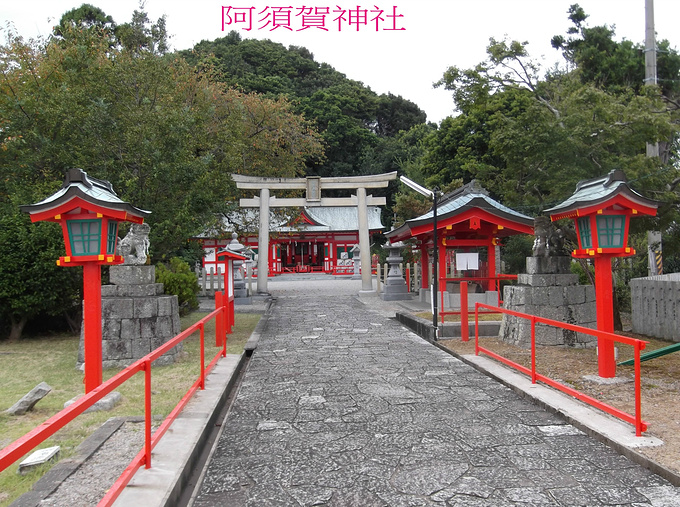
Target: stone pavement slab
{"type": "Point", "coordinates": [342, 406]}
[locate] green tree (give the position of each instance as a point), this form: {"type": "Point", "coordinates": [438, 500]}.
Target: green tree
{"type": "Point", "coordinates": [31, 283]}
{"type": "Point", "coordinates": [350, 117]}
{"type": "Point", "coordinates": [165, 134]}
{"type": "Point", "coordinates": [619, 66]}
{"type": "Point", "coordinates": [141, 36]}
{"type": "Point", "coordinates": [553, 132]}
{"type": "Point", "coordinates": [87, 16]}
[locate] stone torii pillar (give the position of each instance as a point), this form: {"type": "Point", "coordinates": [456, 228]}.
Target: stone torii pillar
{"type": "Point", "coordinates": [313, 185]}
{"type": "Point", "coordinates": [364, 241]}
{"type": "Point", "coordinates": [263, 243]}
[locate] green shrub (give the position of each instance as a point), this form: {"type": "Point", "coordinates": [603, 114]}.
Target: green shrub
{"type": "Point", "coordinates": [622, 293]}
{"type": "Point", "coordinates": [178, 279]}
{"type": "Point", "coordinates": [583, 278]}
{"type": "Point", "coordinates": [515, 251]}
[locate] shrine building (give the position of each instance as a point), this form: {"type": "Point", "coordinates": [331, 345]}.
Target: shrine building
{"type": "Point", "coordinates": [321, 239]}
{"type": "Point", "coordinates": [470, 227]}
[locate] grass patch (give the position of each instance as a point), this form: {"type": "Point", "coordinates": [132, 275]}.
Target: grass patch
{"type": "Point", "coordinates": [456, 318]}
{"type": "Point", "coordinates": [25, 363]}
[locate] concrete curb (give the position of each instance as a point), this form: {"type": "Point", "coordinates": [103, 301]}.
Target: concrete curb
{"type": "Point", "coordinates": [252, 342]}
{"type": "Point", "coordinates": [176, 453]}
{"type": "Point", "coordinates": [612, 432]}
{"type": "Point", "coordinates": [424, 329]}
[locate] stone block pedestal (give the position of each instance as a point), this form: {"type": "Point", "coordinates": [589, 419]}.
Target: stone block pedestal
{"type": "Point", "coordinates": [137, 317]}
{"type": "Point", "coordinates": [549, 290]}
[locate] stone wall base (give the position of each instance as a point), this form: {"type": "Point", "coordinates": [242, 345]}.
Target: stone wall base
{"type": "Point", "coordinates": [655, 305]}
{"type": "Point", "coordinates": [552, 294]}
{"type": "Point", "coordinates": [137, 318]}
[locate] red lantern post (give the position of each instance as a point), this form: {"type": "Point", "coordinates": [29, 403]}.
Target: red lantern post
{"type": "Point", "coordinates": [601, 209]}
{"type": "Point", "coordinates": [89, 212]}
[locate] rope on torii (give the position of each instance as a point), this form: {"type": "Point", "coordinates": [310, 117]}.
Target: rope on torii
{"type": "Point", "coordinates": [313, 186]}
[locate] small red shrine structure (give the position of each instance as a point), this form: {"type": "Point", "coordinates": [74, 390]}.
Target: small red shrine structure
{"type": "Point", "coordinates": [601, 209]}
{"type": "Point", "coordinates": [89, 212]}
{"type": "Point", "coordinates": [468, 221]}
{"type": "Point", "coordinates": [319, 240]}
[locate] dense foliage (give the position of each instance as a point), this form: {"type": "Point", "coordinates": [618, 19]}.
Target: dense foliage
{"type": "Point", "coordinates": [178, 279]}
{"type": "Point", "coordinates": [110, 100]}
{"type": "Point", "coordinates": [352, 119]}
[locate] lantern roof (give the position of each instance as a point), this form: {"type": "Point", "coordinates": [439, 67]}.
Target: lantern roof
{"type": "Point", "coordinates": [225, 253]}
{"type": "Point", "coordinates": [458, 207]}
{"type": "Point", "coordinates": [82, 191]}
{"type": "Point", "coordinates": [601, 192]}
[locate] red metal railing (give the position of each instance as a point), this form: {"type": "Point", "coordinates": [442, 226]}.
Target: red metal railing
{"type": "Point", "coordinates": [638, 345]}
{"type": "Point", "coordinates": [224, 320]}
{"type": "Point", "coordinates": [463, 312]}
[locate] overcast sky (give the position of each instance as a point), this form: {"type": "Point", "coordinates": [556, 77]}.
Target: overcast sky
{"type": "Point", "coordinates": [436, 33]}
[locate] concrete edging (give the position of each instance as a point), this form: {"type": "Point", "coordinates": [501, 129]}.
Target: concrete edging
{"type": "Point", "coordinates": [424, 329]}
{"type": "Point", "coordinates": [177, 452]}
{"type": "Point", "coordinates": [252, 342]}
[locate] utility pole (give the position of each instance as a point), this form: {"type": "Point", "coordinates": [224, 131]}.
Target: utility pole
{"type": "Point", "coordinates": [650, 61]}
{"type": "Point", "coordinates": [654, 251]}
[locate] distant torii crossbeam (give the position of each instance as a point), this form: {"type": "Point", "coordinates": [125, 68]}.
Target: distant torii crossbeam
{"type": "Point", "coordinates": [313, 185]}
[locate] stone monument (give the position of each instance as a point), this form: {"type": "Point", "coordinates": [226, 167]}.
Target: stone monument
{"type": "Point", "coordinates": [137, 317]}
{"type": "Point", "coordinates": [241, 295]}
{"type": "Point", "coordinates": [395, 288]}
{"type": "Point", "coordinates": [356, 258]}
{"type": "Point", "coordinates": [549, 290]}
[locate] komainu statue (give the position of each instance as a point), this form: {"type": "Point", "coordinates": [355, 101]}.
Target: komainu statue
{"type": "Point", "coordinates": [134, 247]}
{"type": "Point", "coordinates": [542, 230]}
{"type": "Point", "coordinates": [550, 240]}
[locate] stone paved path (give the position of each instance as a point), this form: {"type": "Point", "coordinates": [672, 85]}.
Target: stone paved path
{"type": "Point", "coordinates": [342, 406]}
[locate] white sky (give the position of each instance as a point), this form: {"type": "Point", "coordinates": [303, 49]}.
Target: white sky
{"type": "Point", "coordinates": [438, 33]}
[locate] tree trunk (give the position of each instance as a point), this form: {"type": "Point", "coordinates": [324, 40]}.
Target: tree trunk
{"type": "Point", "coordinates": [73, 322]}
{"type": "Point", "coordinates": [586, 268]}
{"type": "Point", "coordinates": [17, 327]}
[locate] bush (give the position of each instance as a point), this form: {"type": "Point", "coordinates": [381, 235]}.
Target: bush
{"type": "Point", "coordinates": [178, 279]}
{"type": "Point", "coordinates": [515, 251]}
{"type": "Point", "coordinates": [583, 278]}
{"type": "Point", "coordinates": [622, 293]}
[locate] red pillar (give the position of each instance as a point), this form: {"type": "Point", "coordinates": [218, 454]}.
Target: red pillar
{"type": "Point", "coordinates": [464, 330]}
{"type": "Point", "coordinates": [491, 256]}
{"type": "Point", "coordinates": [92, 325]}
{"type": "Point", "coordinates": [219, 320]}
{"type": "Point", "coordinates": [441, 273]}
{"type": "Point", "coordinates": [604, 305]}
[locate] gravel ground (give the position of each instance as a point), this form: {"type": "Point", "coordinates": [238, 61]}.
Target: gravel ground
{"type": "Point", "coordinates": [88, 485]}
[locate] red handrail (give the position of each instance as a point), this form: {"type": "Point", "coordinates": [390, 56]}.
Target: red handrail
{"type": "Point", "coordinates": [464, 279]}
{"type": "Point", "coordinates": [638, 345]}
{"type": "Point", "coordinates": [35, 437]}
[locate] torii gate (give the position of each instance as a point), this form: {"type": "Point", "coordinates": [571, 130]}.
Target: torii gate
{"type": "Point", "coordinates": [313, 185]}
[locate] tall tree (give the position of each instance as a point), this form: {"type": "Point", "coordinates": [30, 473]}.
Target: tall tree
{"type": "Point", "coordinates": [619, 66]}
{"type": "Point", "coordinates": [87, 16]}
{"type": "Point", "coordinates": [350, 116]}
{"type": "Point", "coordinates": [556, 130]}
{"type": "Point", "coordinates": [164, 134]}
